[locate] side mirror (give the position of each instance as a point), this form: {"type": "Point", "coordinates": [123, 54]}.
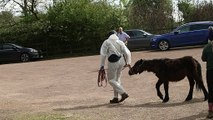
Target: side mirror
{"type": "Point", "coordinates": [177, 32]}
{"type": "Point", "coordinates": [15, 48]}
{"type": "Point", "coordinates": [145, 35]}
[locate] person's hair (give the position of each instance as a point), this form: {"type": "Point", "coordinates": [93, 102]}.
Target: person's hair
{"type": "Point", "coordinates": [120, 28]}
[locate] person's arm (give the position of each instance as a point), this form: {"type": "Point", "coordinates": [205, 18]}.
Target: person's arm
{"type": "Point", "coordinates": [204, 56]}
{"type": "Point", "coordinates": [126, 38]}
{"type": "Point", "coordinates": [103, 53]}
{"type": "Point", "coordinates": [127, 54]}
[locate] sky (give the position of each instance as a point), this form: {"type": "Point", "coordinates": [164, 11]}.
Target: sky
{"type": "Point", "coordinates": [15, 9]}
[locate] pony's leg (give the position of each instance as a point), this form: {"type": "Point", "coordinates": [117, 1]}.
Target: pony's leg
{"type": "Point", "coordinates": [191, 83]}
{"type": "Point", "coordinates": [158, 84]}
{"type": "Point", "coordinates": [166, 88]}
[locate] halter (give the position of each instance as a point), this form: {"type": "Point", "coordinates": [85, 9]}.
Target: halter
{"type": "Point", "coordinates": [140, 65]}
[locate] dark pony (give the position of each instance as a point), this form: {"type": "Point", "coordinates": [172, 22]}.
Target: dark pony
{"type": "Point", "coordinates": [172, 70]}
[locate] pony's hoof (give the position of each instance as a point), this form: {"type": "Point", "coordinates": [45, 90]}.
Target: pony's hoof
{"type": "Point", "coordinates": [188, 99]}
{"type": "Point", "coordinates": [165, 100]}
{"type": "Point", "coordinates": [160, 96]}
{"type": "Point", "coordinates": [206, 98]}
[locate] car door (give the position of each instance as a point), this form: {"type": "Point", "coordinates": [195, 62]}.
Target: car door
{"type": "Point", "coordinates": [190, 35]}
{"type": "Point", "coordinates": [181, 36]}
{"type": "Point", "coordinates": [199, 33]}
{"type": "Point", "coordinates": [9, 53]}
{"type": "Point", "coordinates": [138, 39]}
{"type": "Point", "coordinates": [1, 54]}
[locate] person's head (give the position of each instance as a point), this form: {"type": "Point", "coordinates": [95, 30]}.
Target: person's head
{"type": "Point", "coordinates": [111, 32]}
{"type": "Point", "coordinates": [210, 28]}
{"type": "Point", "coordinates": [210, 33]}
{"type": "Point", "coordinates": [120, 29]}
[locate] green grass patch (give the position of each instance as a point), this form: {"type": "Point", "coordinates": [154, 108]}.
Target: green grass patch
{"type": "Point", "coordinates": [49, 116]}
{"type": "Point", "coordinates": [40, 117]}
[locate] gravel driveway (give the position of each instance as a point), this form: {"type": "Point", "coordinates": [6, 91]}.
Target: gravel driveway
{"type": "Point", "coordinates": [68, 87]}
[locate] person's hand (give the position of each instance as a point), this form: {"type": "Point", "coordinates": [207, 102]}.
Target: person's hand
{"type": "Point", "coordinates": [127, 65]}
{"type": "Point", "coordinates": [125, 42]}
{"type": "Point", "coordinates": [102, 68]}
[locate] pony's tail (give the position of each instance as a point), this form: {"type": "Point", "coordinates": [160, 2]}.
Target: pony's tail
{"type": "Point", "coordinates": [199, 80]}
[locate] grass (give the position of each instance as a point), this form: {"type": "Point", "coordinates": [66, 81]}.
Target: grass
{"type": "Point", "coordinates": [48, 116]}
{"type": "Point", "coordinates": [40, 116]}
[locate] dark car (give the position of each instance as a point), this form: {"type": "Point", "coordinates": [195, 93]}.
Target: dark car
{"type": "Point", "coordinates": [193, 33]}
{"type": "Point", "coordinates": [13, 52]}
{"type": "Point", "coordinates": [139, 39]}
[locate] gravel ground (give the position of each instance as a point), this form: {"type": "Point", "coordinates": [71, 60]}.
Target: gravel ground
{"type": "Point", "coordinates": [69, 87]}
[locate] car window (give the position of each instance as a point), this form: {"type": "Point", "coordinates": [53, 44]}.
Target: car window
{"type": "Point", "coordinates": [138, 33]}
{"type": "Point", "coordinates": [7, 47]}
{"type": "Point", "coordinates": [199, 27]}
{"type": "Point", "coordinates": [130, 33]}
{"type": "Point", "coordinates": [183, 29]}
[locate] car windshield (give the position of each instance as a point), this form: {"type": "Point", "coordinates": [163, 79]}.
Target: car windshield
{"type": "Point", "coordinates": [181, 29]}
{"type": "Point", "coordinates": [18, 46]}
{"type": "Point", "coordinates": [147, 33]}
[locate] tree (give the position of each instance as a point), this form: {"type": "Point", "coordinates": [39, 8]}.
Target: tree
{"type": "Point", "coordinates": [151, 15]}
{"type": "Point", "coordinates": [6, 19]}
{"type": "Point", "coordinates": [69, 26]}
{"type": "Point", "coordinates": [199, 12]}
{"type": "Point", "coordinates": [187, 9]}
{"type": "Point", "coordinates": [204, 11]}
{"type": "Point", "coordinates": [28, 7]}
{"type": "Point", "coordinates": [82, 24]}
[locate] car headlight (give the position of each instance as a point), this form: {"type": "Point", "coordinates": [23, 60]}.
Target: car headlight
{"type": "Point", "coordinates": [33, 50]}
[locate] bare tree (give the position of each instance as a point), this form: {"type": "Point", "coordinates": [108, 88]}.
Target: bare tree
{"type": "Point", "coordinates": [28, 7]}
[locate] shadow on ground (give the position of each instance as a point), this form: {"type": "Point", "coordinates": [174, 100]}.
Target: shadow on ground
{"type": "Point", "coordinates": [200, 116]}
{"type": "Point", "coordinates": [146, 105]}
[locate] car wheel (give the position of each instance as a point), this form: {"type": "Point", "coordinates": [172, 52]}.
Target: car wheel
{"type": "Point", "coordinates": [24, 57]}
{"type": "Point", "coordinates": [163, 45]}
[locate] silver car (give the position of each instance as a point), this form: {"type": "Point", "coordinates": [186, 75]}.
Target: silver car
{"type": "Point", "coordinates": [139, 39]}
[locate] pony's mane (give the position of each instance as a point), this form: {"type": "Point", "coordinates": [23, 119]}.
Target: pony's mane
{"type": "Point", "coordinates": [154, 65]}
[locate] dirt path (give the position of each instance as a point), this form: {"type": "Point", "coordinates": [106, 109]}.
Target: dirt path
{"type": "Point", "coordinates": [69, 87]}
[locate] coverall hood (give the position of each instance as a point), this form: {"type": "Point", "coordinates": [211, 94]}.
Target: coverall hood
{"type": "Point", "coordinates": [113, 37]}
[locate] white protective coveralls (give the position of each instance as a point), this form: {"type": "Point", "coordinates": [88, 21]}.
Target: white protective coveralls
{"type": "Point", "coordinates": [114, 46]}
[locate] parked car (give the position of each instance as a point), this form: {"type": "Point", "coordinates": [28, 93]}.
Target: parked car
{"type": "Point", "coordinates": [193, 33]}
{"type": "Point", "coordinates": [13, 52]}
{"type": "Point", "coordinates": [139, 39]}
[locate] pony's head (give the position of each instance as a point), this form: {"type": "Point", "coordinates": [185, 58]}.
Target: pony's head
{"type": "Point", "coordinates": [137, 68]}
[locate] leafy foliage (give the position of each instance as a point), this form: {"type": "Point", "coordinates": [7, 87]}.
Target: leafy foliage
{"type": "Point", "coordinates": [69, 26]}
{"type": "Point", "coordinates": [192, 12]}
{"type": "Point", "coordinates": [80, 26]}
{"type": "Point", "coordinates": [151, 14]}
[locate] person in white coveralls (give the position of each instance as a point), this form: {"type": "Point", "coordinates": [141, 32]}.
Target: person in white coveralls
{"type": "Point", "coordinates": [118, 56]}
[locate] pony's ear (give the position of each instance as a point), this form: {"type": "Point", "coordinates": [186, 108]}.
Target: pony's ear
{"type": "Point", "coordinates": [141, 60]}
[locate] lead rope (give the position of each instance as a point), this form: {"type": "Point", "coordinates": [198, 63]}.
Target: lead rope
{"type": "Point", "coordinates": [102, 77]}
